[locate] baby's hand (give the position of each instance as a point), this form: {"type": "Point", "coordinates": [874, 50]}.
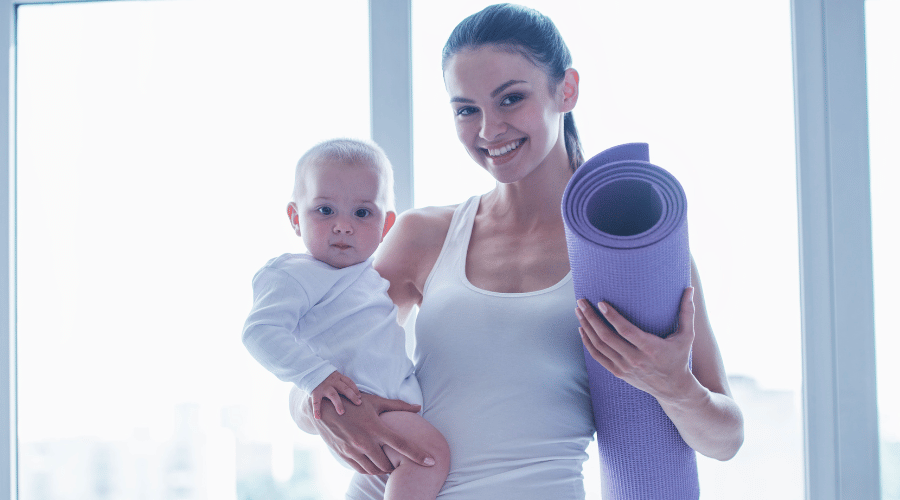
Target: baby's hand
{"type": "Point", "coordinates": [332, 388]}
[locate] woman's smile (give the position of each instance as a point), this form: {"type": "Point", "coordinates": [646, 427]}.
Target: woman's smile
{"type": "Point", "coordinates": [502, 150]}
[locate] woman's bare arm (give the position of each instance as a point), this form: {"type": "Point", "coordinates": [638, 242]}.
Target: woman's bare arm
{"type": "Point", "coordinates": [409, 252]}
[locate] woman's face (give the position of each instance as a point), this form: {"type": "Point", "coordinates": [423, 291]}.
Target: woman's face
{"type": "Point", "coordinates": [506, 115]}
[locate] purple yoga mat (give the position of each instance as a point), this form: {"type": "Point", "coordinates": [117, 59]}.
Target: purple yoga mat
{"type": "Point", "coordinates": [626, 230]}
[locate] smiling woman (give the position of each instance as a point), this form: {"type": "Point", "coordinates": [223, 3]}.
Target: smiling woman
{"type": "Point", "coordinates": [680, 97]}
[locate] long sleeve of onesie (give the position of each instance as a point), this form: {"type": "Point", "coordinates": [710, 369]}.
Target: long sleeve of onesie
{"type": "Point", "coordinates": [279, 302]}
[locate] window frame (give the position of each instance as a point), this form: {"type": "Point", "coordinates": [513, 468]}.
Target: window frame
{"type": "Point", "coordinates": [836, 297]}
{"type": "Point", "coordinates": [836, 293]}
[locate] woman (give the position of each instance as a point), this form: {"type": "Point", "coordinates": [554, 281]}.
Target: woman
{"type": "Point", "coordinates": [498, 355]}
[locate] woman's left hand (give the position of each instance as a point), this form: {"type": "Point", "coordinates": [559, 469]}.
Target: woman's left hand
{"type": "Point", "coordinates": [660, 367]}
{"type": "Point", "coordinates": [683, 371]}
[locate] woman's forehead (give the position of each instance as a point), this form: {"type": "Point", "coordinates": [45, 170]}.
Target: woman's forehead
{"type": "Point", "coordinates": [486, 68]}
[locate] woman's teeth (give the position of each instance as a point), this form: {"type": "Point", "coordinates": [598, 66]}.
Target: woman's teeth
{"type": "Point", "coordinates": [505, 149]}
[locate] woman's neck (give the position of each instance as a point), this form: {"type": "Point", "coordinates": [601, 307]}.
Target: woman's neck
{"type": "Point", "coordinates": [534, 200]}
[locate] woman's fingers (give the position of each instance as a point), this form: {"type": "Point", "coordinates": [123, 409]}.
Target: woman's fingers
{"type": "Point", "coordinates": [594, 351]}
{"type": "Point", "coordinates": [596, 328]}
{"type": "Point", "coordinates": [380, 465]}
{"type": "Point", "coordinates": [686, 314]}
{"type": "Point", "coordinates": [394, 440]}
{"type": "Point", "coordinates": [631, 334]}
{"type": "Point", "coordinates": [382, 405]}
{"type": "Point", "coordinates": [357, 436]}
{"type": "Point", "coordinates": [597, 347]}
{"type": "Point", "coordinates": [404, 447]}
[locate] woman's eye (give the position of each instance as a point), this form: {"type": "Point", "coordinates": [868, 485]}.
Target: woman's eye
{"type": "Point", "coordinates": [466, 111]}
{"type": "Point", "coordinates": [363, 212]}
{"type": "Point", "coordinates": [511, 99]}
{"type": "Point", "coordinates": [325, 210]}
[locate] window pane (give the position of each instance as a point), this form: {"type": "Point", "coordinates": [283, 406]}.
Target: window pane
{"type": "Point", "coordinates": [708, 85]}
{"type": "Point", "coordinates": [156, 144]}
{"type": "Point", "coordinates": [883, 70]}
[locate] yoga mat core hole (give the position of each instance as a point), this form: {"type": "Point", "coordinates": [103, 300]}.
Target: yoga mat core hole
{"type": "Point", "coordinates": [625, 207]}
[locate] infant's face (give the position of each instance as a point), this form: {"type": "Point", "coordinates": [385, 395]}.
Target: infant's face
{"type": "Point", "coordinates": [340, 216]}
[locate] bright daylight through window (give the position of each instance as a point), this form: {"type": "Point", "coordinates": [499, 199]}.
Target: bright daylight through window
{"type": "Point", "coordinates": [155, 149]}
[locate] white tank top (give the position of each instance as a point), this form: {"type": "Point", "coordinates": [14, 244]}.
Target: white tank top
{"type": "Point", "coordinates": [503, 378]}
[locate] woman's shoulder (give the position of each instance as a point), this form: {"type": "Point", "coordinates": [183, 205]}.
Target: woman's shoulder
{"type": "Point", "coordinates": [419, 232]}
{"type": "Point", "coordinates": [427, 220]}
{"type": "Point", "coordinates": [412, 246]}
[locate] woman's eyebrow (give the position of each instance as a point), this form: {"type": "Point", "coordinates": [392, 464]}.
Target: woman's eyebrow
{"type": "Point", "coordinates": [503, 87]}
{"type": "Point", "coordinates": [496, 92]}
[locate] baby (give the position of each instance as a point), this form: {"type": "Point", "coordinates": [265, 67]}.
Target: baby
{"type": "Point", "coordinates": [324, 321]}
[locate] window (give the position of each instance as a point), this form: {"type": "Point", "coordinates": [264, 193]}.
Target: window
{"type": "Point", "coordinates": [884, 106]}
{"type": "Point", "coordinates": [156, 144]}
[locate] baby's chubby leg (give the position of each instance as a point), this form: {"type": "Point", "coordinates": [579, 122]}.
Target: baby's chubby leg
{"type": "Point", "coordinates": [409, 479]}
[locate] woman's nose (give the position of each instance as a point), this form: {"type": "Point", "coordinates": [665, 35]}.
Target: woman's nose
{"type": "Point", "coordinates": [492, 125]}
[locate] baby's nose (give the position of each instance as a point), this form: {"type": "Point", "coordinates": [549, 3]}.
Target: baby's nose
{"type": "Point", "coordinates": [343, 227]}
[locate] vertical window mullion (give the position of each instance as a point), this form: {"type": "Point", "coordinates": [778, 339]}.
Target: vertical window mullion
{"type": "Point", "coordinates": [8, 473]}
{"type": "Point", "coordinates": [391, 87]}
{"type": "Point", "coordinates": [841, 431]}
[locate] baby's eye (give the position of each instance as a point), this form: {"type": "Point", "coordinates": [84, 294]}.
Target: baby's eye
{"type": "Point", "coordinates": [325, 210]}
{"type": "Point", "coordinates": [511, 99]}
{"type": "Point", "coordinates": [363, 212]}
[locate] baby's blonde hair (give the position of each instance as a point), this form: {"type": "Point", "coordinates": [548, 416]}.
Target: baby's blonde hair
{"type": "Point", "coordinates": [353, 152]}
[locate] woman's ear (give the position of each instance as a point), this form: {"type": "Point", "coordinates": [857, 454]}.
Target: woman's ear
{"type": "Point", "coordinates": [294, 215]}
{"type": "Point", "coordinates": [389, 220]}
{"type": "Point", "coordinates": [570, 90]}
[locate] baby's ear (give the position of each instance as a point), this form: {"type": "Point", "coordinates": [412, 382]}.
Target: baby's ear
{"type": "Point", "coordinates": [389, 220]}
{"type": "Point", "coordinates": [294, 215]}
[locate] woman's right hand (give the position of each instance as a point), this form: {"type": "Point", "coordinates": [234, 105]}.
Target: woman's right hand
{"type": "Point", "coordinates": [358, 435]}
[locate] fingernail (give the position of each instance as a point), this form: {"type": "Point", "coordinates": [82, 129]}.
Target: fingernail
{"type": "Point", "coordinates": [429, 461]}
{"type": "Point", "coordinates": [602, 307]}
{"type": "Point", "coordinates": [582, 305]}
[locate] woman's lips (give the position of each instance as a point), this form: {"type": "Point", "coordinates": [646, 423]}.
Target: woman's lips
{"type": "Point", "coordinates": [505, 149]}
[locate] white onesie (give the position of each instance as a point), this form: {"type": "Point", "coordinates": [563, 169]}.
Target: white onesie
{"type": "Point", "coordinates": [310, 319]}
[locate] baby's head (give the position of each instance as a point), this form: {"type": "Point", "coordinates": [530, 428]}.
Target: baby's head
{"type": "Point", "coordinates": [343, 202]}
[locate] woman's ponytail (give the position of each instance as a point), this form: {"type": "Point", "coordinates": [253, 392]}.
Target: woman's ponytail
{"type": "Point", "coordinates": [573, 144]}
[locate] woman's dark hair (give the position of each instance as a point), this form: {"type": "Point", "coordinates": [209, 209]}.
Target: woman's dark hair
{"type": "Point", "coordinates": [526, 32]}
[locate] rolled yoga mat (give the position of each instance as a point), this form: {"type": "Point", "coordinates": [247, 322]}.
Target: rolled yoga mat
{"type": "Point", "coordinates": [626, 230]}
